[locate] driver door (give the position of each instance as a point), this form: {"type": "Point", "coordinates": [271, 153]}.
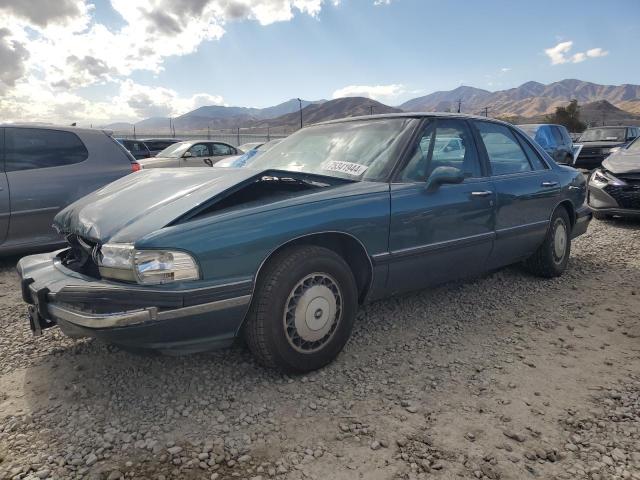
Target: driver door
{"type": "Point", "coordinates": [442, 233]}
{"type": "Point", "coordinates": [199, 155]}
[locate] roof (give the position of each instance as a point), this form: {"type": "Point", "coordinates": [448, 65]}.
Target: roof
{"type": "Point", "coordinates": [412, 115]}
{"type": "Point", "coordinates": [50, 126]}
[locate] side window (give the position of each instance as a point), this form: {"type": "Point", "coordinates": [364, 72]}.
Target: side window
{"type": "Point", "coordinates": [532, 155]}
{"type": "Point", "coordinates": [450, 144]}
{"type": "Point", "coordinates": [200, 150]}
{"type": "Point", "coordinates": [566, 136]}
{"type": "Point", "coordinates": [505, 154]}
{"type": "Point", "coordinates": [222, 149]}
{"type": "Point", "coordinates": [28, 148]}
{"type": "Point", "coordinates": [557, 135]}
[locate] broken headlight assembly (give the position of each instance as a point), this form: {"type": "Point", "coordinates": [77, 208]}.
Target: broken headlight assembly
{"type": "Point", "coordinates": [147, 267]}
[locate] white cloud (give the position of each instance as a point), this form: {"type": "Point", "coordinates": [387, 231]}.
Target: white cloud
{"type": "Point", "coordinates": [382, 93]}
{"type": "Point", "coordinates": [382, 2]}
{"type": "Point", "coordinates": [560, 53]}
{"type": "Point", "coordinates": [557, 53]}
{"type": "Point", "coordinates": [505, 69]}
{"type": "Point", "coordinates": [597, 52]}
{"type": "Point", "coordinates": [51, 48]}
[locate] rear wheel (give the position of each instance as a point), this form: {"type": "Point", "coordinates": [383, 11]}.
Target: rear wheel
{"type": "Point", "coordinates": [551, 258]}
{"type": "Point", "coordinates": [303, 309]}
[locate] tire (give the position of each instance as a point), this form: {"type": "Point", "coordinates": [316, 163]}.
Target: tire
{"type": "Point", "coordinates": [601, 216]}
{"type": "Point", "coordinates": [551, 258]}
{"type": "Point", "coordinates": [313, 292]}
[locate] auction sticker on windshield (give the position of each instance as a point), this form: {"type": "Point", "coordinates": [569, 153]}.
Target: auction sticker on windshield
{"type": "Point", "coordinates": [349, 168]}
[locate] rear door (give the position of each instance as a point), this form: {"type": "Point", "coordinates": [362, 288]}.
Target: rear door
{"type": "Point", "coordinates": [46, 170]}
{"type": "Point", "coordinates": [221, 151]}
{"type": "Point", "coordinates": [527, 192]}
{"type": "Point", "coordinates": [5, 205]}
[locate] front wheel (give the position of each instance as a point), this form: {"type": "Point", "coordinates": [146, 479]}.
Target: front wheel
{"type": "Point", "coordinates": [303, 309]}
{"type": "Point", "coordinates": [551, 258]}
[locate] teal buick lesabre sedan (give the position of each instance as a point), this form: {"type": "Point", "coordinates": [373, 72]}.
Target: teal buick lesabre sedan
{"type": "Point", "coordinates": [283, 253]}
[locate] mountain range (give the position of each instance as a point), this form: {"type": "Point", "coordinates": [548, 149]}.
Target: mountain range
{"type": "Point", "coordinates": [530, 101]}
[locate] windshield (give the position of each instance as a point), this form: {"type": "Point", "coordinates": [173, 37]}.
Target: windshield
{"type": "Point", "coordinates": [635, 145]}
{"type": "Point", "coordinates": [603, 135]}
{"type": "Point", "coordinates": [175, 151]}
{"type": "Point", "coordinates": [355, 150]}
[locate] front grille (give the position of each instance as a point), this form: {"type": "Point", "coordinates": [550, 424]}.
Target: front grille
{"type": "Point", "coordinates": [626, 196]}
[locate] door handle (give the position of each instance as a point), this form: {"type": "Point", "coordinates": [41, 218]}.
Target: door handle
{"type": "Point", "coordinates": [483, 193]}
{"type": "Point", "coordinates": [549, 184]}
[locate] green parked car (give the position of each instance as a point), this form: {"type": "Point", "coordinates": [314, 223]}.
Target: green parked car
{"type": "Point", "coordinates": [283, 252]}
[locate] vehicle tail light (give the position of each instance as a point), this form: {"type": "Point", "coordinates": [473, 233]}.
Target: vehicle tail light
{"type": "Point", "coordinates": [135, 167]}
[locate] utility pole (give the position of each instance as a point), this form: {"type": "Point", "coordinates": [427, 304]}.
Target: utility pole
{"type": "Point", "coordinates": [371, 107]}
{"type": "Point", "coordinates": [486, 111]}
{"type": "Point", "coordinates": [268, 134]}
{"type": "Point", "coordinates": [208, 132]}
{"type": "Point", "coordinates": [300, 103]}
{"type": "Point", "coordinates": [459, 104]}
{"type": "Point", "coordinates": [238, 137]}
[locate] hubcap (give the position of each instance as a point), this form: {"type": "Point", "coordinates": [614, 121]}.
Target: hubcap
{"type": "Point", "coordinates": [312, 313]}
{"type": "Point", "coordinates": [559, 240]}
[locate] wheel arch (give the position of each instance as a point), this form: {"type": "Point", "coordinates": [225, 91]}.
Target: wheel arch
{"type": "Point", "coordinates": [569, 207]}
{"type": "Point", "coordinates": [350, 248]}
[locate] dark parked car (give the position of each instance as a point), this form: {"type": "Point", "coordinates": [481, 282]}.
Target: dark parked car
{"type": "Point", "coordinates": [156, 145]}
{"type": "Point", "coordinates": [194, 153]}
{"type": "Point", "coordinates": [554, 139]}
{"type": "Point", "coordinates": [283, 252]}
{"type": "Point", "coordinates": [137, 148]}
{"type": "Point", "coordinates": [597, 143]}
{"type": "Point", "coordinates": [614, 189]}
{"type": "Point", "coordinates": [44, 169]}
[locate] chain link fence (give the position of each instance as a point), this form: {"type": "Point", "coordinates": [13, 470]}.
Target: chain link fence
{"type": "Point", "coordinates": [232, 136]}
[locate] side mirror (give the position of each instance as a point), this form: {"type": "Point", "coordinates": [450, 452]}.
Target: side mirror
{"type": "Point", "coordinates": [187, 155]}
{"type": "Point", "coordinates": [442, 175]}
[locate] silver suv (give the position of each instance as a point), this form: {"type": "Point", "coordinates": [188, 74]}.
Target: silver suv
{"type": "Point", "coordinates": [44, 169]}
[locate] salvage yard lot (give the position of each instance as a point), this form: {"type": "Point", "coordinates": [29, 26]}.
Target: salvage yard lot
{"type": "Point", "coordinates": [505, 376]}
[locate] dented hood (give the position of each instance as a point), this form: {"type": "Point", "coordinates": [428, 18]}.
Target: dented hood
{"type": "Point", "coordinates": [143, 202]}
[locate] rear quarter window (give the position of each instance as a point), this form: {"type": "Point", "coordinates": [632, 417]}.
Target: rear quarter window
{"type": "Point", "coordinates": [31, 148]}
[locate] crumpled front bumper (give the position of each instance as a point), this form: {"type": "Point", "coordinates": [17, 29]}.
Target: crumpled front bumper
{"type": "Point", "coordinates": [140, 316]}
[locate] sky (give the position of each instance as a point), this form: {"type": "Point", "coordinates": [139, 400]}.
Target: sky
{"type": "Point", "coordinates": [124, 60]}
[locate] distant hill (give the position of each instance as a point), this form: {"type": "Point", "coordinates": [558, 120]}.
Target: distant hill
{"type": "Point", "coordinates": [600, 112]}
{"type": "Point", "coordinates": [213, 116]}
{"type": "Point", "coordinates": [529, 99]}
{"type": "Point", "coordinates": [330, 110]}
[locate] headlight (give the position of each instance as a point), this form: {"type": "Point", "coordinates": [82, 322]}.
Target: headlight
{"type": "Point", "coordinates": [601, 178]}
{"type": "Point", "coordinates": [124, 262]}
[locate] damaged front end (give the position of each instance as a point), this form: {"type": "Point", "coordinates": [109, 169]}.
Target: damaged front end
{"type": "Point", "coordinates": [103, 285]}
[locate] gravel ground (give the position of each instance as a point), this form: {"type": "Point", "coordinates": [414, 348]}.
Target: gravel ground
{"type": "Point", "coordinates": [502, 377]}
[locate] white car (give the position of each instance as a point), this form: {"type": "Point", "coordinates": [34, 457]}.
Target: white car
{"type": "Point", "coordinates": [194, 153]}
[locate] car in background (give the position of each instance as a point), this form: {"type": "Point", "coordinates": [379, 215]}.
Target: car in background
{"type": "Point", "coordinates": [137, 148]}
{"type": "Point", "coordinates": [283, 253]}
{"type": "Point", "coordinates": [156, 145]}
{"type": "Point", "coordinates": [614, 188]}
{"type": "Point", "coordinates": [194, 153]}
{"type": "Point", "coordinates": [45, 169]}
{"type": "Point", "coordinates": [248, 156]}
{"type": "Point", "coordinates": [554, 139]}
{"type": "Point", "coordinates": [245, 147]}
{"type": "Point", "coordinates": [598, 142]}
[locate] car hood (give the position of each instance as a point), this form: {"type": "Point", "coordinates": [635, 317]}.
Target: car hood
{"type": "Point", "coordinates": [622, 161]}
{"type": "Point", "coordinates": [145, 201]}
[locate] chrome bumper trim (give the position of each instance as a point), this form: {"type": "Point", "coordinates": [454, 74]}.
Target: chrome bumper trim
{"type": "Point", "coordinates": [136, 317]}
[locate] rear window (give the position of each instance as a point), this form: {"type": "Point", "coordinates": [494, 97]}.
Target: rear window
{"type": "Point", "coordinates": [30, 148]}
